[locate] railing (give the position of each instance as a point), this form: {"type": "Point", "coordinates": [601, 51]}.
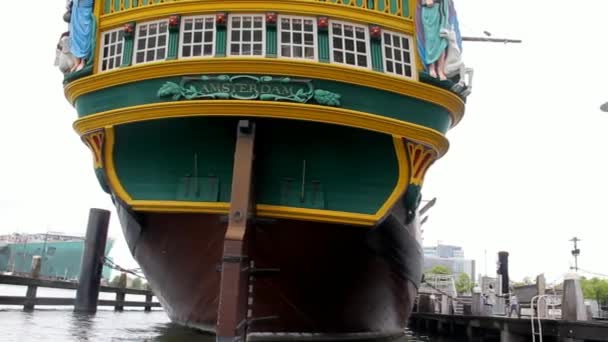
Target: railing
{"type": "Point", "coordinates": [399, 8]}
{"type": "Point", "coordinates": [30, 300]}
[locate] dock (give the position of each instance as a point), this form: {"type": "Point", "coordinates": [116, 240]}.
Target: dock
{"type": "Point", "coordinates": [504, 329]}
{"type": "Point", "coordinates": [89, 285]}
{"type": "Point", "coordinates": [30, 300]}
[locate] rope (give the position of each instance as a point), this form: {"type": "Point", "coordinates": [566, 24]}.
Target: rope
{"type": "Point", "coordinates": [594, 273]}
{"type": "Point", "coordinates": [113, 265]}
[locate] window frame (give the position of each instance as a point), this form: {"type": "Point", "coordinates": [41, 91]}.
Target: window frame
{"type": "Point", "coordinates": [136, 38]}
{"type": "Point", "coordinates": [121, 36]}
{"type": "Point", "coordinates": [367, 44]}
{"type": "Point", "coordinates": [314, 37]}
{"type": "Point", "coordinates": [182, 32]}
{"type": "Point", "coordinates": [412, 63]}
{"type": "Point", "coordinates": [229, 33]}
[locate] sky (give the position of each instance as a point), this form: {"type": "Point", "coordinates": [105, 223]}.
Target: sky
{"type": "Point", "coordinates": [526, 170]}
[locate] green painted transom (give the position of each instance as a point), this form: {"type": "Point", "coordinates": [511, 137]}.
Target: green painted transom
{"type": "Point", "coordinates": [298, 164]}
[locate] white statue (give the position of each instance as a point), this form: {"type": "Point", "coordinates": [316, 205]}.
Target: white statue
{"type": "Point", "coordinates": [64, 59]}
{"type": "Point", "coordinates": [454, 66]}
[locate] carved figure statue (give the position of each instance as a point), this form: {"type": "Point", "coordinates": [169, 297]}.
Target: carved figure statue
{"type": "Point", "coordinates": [64, 59]}
{"type": "Point", "coordinates": [454, 66]}
{"type": "Point", "coordinates": [432, 17]}
{"type": "Point", "coordinates": [67, 16]}
{"type": "Point", "coordinates": [81, 27]}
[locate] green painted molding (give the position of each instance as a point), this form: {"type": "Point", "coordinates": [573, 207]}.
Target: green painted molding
{"type": "Point", "coordinates": [173, 44]}
{"type": "Point", "coordinates": [127, 57]}
{"type": "Point", "coordinates": [127, 48]}
{"type": "Point", "coordinates": [220, 41]}
{"type": "Point", "coordinates": [353, 97]}
{"type": "Point", "coordinates": [106, 6]}
{"type": "Point", "coordinates": [248, 87]}
{"type": "Point", "coordinates": [376, 50]}
{"type": "Point", "coordinates": [271, 41]}
{"type": "Point", "coordinates": [405, 5]}
{"type": "Point", "coordinates": [323, 42]}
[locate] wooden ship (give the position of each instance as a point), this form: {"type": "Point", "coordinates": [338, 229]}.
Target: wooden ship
{"type": "Point", "coordinates": [266, 157]}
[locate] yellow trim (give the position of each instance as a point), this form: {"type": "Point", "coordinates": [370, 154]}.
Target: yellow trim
{"type": "Point", "coordinates": [180, 207]}
{"type": "Point", "coordinates": [283, 67]}
{"type": "Point", "coordinates": [312, 8]}
{"type": "Point", "coordinates": [262, 210]}
{"type": "Point", "coordinates": [277, 110]}
{"type": "Point", "coordinates": [405, 173]}
{"type": "Point", "coordinates": [111, 170]}
{"type": "Point", "coordinates": [317, 215]}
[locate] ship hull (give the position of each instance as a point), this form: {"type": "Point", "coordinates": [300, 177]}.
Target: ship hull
{"type": "Point", "coordinates": [310, 279]}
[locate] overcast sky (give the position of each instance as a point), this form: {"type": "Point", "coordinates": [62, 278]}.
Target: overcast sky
{"type": "Point", "coordinates": [526, 170]}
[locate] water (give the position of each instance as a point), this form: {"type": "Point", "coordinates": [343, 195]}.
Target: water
{"type": "Point", "coordinates": [61, 324]}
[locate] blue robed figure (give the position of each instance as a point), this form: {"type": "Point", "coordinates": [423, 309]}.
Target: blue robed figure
{"type": "Point", "coordinates": [433, 16]}
{"type": "Point", "coordinates": [81, 26]}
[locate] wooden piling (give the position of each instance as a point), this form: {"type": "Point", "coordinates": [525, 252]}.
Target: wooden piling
{"type": "Point", "coordinates": [148, 307]}
{"type": "Point", "coordinates": [32, 289]}
{"type": "Point", "coordinates": [120, 295]}
{"type": "Point", "coordinates": [87, 293]}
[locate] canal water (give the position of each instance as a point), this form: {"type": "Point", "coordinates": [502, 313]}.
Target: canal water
{"type": "Point", "coordinates": [61, 324]}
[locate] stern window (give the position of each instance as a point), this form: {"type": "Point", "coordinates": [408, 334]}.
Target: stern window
{"type": "Point", "coordinates": [348, 44]}
{"type": "Point", "coordinates": [298, 37]}
{"type": "Point", "coordinates": [111, 49]}
{"type": "Point", "coordinates": [397, 54]}
{"type": "Point", "coordinates": [151, 40]}
{"type": "Point", "coordinates": [197, 37]}
{"type": "Point", "coordinates": [246, 35]}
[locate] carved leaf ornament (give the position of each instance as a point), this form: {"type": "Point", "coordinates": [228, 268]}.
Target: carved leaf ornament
{"type": "Point", "coordinates": [246, 87]}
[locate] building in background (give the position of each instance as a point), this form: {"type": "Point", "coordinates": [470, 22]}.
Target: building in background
{"type": "Point", "coordinates": [61, 254]}
{"type": "Point", "coordinates": [449, 256]}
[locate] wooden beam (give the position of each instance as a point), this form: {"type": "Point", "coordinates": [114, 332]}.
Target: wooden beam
{"type": "Point", "coordinates": [491, 40]}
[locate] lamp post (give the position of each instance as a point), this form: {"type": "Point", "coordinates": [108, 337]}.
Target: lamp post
{"type": "Point", "coordinates": [575, 252]}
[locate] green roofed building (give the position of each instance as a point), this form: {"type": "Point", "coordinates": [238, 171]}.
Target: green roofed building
{"type": "Point", "coordinates": [61, 254]}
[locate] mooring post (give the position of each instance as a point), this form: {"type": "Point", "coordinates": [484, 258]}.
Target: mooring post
{"type": "Point", "coordinates": [232, 310]}
{"type": "Point", "coordinates": [573, 306]}
{"type": "Point", "coordinates": [148, 299]}
{"type": "Point", "coordinates": [32, 289]}
{"type": "Point", "coordinates": [92, 261]}
{"type": "Point", "coordinates": [120, 294]}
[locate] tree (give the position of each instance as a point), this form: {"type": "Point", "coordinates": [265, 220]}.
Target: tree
{"type": "Point", "coordinates": [115, 281]}
{"type": "Point", "coordinates": [595, 288]}
{"type": "Point", "coordinates": [525, 281]}
{"type": "Point", "coordinates": [440, 269]}
{"type": "Point", "coordinates": [464, 283]}
{"type": "Point", "coordinates": [137, 283]}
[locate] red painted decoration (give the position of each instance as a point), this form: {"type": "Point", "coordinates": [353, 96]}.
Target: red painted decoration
{"type": "Point", "coordinates": [220, 18]}
{"type": "Point", "coordinates": [271, 18]}
{"type": "Point", "coordinates": [323, 22]}
{"type": "Point", "coordinates": [173, 20]}
{"type": "Point", "coordinates": [375, 31]}
{"type": "Point", "coordinates": [128, 28]}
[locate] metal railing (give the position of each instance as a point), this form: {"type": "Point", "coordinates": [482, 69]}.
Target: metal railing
{"type": "Point", "coordinates": [543, 303]}
{"type": "Point", "coordinates": [399, 8]}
